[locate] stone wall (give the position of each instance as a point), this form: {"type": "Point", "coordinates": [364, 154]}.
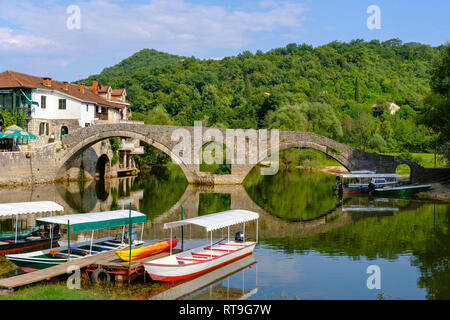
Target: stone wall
{"type": "Point", "coordinates": [26, 167]}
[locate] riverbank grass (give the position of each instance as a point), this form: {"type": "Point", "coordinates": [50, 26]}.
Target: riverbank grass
{"type": "Point", "coordinates": [55, 291]}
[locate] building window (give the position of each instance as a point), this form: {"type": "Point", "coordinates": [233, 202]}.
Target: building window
{"type": "Point", "coordinates": [62, 104]}
{"type": "Point", "coordinates": [41, 128]}
{"type": "Point", "coordinates": [43, 102]}
{"type": "Point", "coordinates": [87, 108]}
{"type": "Point", "coordinates": [47, 129]}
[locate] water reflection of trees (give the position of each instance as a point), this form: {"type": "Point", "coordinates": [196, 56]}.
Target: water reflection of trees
{"type": "Point", "coordinates": [418, 228]}
{"type": "Point", "coordinates": [433, 259]}
{"type": "Point", "coordinates": [163, 186]}
{"type": "Point", "coordinates": [424, 233]}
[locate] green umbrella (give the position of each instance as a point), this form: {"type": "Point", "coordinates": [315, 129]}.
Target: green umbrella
{"type": "Point", "coordinates": [15, 132]}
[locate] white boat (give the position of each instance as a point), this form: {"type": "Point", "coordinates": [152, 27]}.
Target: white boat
{"type": "Point", "coordinates": [376, 183]}
{"type": "Point", "coordinates": [207, 257]}
{"type": "Point", "coordinates": [24, 240]}
{"type": "Point", "coordinates": [364, 181]}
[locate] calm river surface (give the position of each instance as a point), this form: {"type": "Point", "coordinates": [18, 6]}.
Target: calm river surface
{"type": "Point", "coordinates": [312, 245]}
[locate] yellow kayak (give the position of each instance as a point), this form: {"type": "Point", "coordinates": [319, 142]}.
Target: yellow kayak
{"type": "Point", "coordinates": [146, 251]}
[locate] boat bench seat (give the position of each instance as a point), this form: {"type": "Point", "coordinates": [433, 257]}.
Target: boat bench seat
{"type": "Point", "coordinates": [220, 249]}
{"type": "Point", "coordinates": [232, 244]}
{"type": "Point", "coordinates": [65, 255]}
{"type": "Point", "coordinates": [31, 238]}
{"type": "Point", "coordinates": [79, 250]}
{"type": "Point", "coordinates": [192, 259]}
{"type": "Point", "coordinates": [114, 244]}
{"type": "Point", "coordinates": [207, 254]}
{"type": "Point", "coordinates": [102, 247]}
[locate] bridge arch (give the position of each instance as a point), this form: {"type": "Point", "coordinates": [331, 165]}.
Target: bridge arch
{"type": "Point", "coordinates": [89, 140]}
{"type": "Point", "coordinates": [331, 152]}
{"type": "Point", "coordinates": [163, 138]}
{"type": "Point", "coordinates": [338, 155]}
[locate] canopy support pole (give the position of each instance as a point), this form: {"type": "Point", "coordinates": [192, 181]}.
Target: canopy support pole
{"type": "Point", "coordinates": [228, 235]}
{"type": "Point", "coordinates": [182, 232]}
{"type": "Point", "coordinates": [210, 251]}
{"type": "Point", "coordinates": [51, 236]}
{"type": "Point", "coordinates": [170, 238]}
{"type": "Point", "coordinates": [92, 239]}
{"type": "Point", "coordinates": [123, 234]}
{"type": "Point", "coordinates": [17, 219]}
{"type": "Point", "coordinates": [68, 239]}
{"type": "Point", "coordinates": [142, 231]}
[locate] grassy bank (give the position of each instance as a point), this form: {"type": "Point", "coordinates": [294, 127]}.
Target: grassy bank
{"type": "Point", "coordinates": [87, 291]}
{"type": "Point", "coordinates": [55, 291]}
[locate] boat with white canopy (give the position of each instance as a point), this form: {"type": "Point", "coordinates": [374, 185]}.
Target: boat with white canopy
{"type": "Point", "coordinates": [20, 240]}
{"type": "Point", "coordinates": [82, 222]}
{"type": "Point", "coordinates": [362, 181]}
{"type": "Point", "coordinates": [375, 183]}
{"type": "Point", "coordinates": [205, 258]}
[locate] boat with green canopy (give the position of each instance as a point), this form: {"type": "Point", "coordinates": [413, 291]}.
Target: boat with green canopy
{"type": "Point", "coordinates": [77, 223]}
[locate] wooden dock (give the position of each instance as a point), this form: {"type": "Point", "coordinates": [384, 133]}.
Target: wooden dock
{"type": "Point", "coordinates": [108, 261]}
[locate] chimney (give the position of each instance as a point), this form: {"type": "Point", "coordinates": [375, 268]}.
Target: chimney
{"type": "Point", "coordinates": [95, 86]}
{"type": "Point", "coordinates": [65, 85]}
{"type": "Point", "coordinates": [82, 87]}
{"type": "Point", "coordinates": [47, 81]}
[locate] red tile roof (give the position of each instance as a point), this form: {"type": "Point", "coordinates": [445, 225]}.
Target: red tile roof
{"type": "Point", "coordinates": [11, 79]}
{"type": "Point", "coordinates": [117, 92]}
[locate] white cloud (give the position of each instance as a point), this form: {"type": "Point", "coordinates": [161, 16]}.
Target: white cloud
{"type": "Point", "coordinates": [11, 40]}
{"type": "Point", "coordinates": [117, 28]}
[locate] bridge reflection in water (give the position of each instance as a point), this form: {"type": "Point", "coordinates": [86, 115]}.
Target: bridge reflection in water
{"type": "Point", "coordinates": [118, 193]}
{"type": "Point", "coordinates": [273, 231]}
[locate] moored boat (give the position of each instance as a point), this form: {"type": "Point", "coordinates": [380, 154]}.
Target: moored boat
{"type": "Point", "coordinates": [363, 181]}
{"type": "Point", "coordinates": [145, 251]}
{"type": "Point", "coordinates": [19, 241]}
{"type": "Point", "coordinates": [401, 191]}
{"type": "Point", "coordinates": [205, 258]}
{"type": "Point", "coordinates": [375, 183]}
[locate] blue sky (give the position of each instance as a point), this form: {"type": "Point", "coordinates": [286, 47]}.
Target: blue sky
{"type": "Point", "coordinates": [35, 39]}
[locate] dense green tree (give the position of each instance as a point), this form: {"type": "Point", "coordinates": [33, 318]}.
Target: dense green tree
{"type": "Point", "coordinates": [438, 112]}
{"type": "Point", "coordinates": [332, 87]}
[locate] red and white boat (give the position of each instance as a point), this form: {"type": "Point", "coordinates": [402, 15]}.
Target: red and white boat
{"type": "Point", "coordinates": [207, 257]}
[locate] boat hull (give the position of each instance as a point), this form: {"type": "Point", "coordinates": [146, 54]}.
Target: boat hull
{"type": "Point", "coordinates": [25, 245]}
{"type": "Point", "coordinates": [175, 272]}
{"type": "Point", "coordinates": [402, 191]}
{"type": "Point", "coordinates": [43, 259]}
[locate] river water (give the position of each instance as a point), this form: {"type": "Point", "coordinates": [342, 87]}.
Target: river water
{"type": "Point", "coordinates": [312, 244]}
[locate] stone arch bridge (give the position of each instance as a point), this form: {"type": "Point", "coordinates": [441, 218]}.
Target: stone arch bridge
{"type": "Point", "coordinates": [168, 138]}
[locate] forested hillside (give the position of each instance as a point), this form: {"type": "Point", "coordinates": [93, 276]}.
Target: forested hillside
{"type": "Point", "coordinates": [329, 89]}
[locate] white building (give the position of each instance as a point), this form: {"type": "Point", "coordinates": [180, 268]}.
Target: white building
{"type": "Point", "coordinates": [54, 108]}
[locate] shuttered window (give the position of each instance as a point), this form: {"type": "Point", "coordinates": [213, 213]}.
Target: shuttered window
{"type": "Point", "coordinates": [62, 104]}
{"type": "Point", "coordinates": [43, 102]}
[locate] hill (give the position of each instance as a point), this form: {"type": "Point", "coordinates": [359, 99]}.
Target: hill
{"type": "Point", "coordinates": [141, 59]}
{"type": "Point", "coordinates": [327, 89]}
